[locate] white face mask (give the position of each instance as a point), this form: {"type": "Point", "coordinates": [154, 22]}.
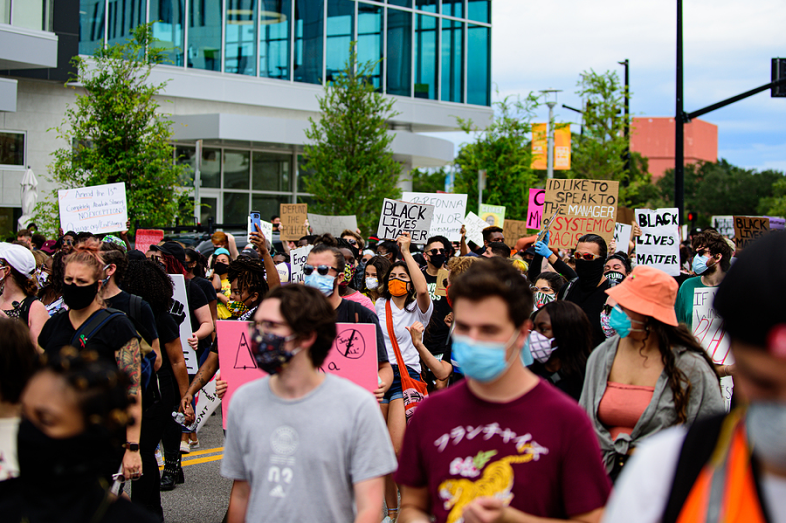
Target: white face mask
{"type": "Point", "coordinates": [372, 284]}
{"type": "Point", "coordinates": [765, 424]}
{"type": "Point", "coordinates": [540, 346]}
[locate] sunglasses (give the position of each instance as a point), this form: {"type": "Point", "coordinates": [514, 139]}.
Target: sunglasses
{"type": "Point", "coordinates": [321, 269]}
{"type": "Point", "coordinates": [435, 252]}
{"type": "Point", "coordinates": [352, 241]}
{"type": "Point", "coordinates": [586, 256]}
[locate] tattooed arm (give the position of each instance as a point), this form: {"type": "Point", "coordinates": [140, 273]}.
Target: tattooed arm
{"type": "Point", "coordinates": [129, 359]}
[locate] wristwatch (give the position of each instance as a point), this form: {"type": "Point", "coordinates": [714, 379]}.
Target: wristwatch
{"type": "Point", "coordinates": [133, 447]}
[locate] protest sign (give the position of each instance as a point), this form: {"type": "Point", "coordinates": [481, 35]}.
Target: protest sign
{"type": "Point", "coordinates": [585, 206]}
{"type": "Point", "coordinates": [335, 225]}
{"type": "Point", "coordinates": [207, 402]}
{"type": "Point", "coordinates": [622, 234]}
{"type": "Point", "coordinates": [449, 211]}
{"type": "Point", "coordinates": [749, 228]}
{"type": "Point", "coordinates": [442, 282]}
{"type": "Point", "coordinates": [98, 209]}
{"type": "Point", "coordinates": [398, 217]}
{"type": "Point", "coordinates": [475, 226]}
{"type": "Point", "coordinates": [708, 327]}
{"type": "Point", "coordinates": [724, 225]}
{"type": "Point", "coordinates": [535, 208]}
{"type": "Point", "coordinates": [144, 238]}
{"type": "Point", "coordinates": [776, 224]}
{"type": "Point", "coordinates": [513, 230]}
{"type": "Point", "coordinates": [659, 243]}
{"type": "Point", "coordinates": [492, 214]}
{"type": "Point", "coordinates": [267, 230]}
{"type": "Point", "coordinates": [625, 215]}
{"type": "Point", "coordinates": [353, 356]}
{"type": "Point", "coordinates": [180, 305]}
{"type": "Point", "coordinates": [297, 259]}
{"type": "Point", "coordinates": [293, 221]}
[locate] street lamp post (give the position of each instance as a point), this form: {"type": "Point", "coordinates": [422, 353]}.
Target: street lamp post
{"type": "Point", "coordinates": [551, 101]}
{"type": "Point", "coordinates": [626, 63]}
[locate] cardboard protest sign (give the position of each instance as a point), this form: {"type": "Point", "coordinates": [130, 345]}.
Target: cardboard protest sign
{"type": "Point", "coordinates": [659, 243]}
{"type": "Point", "coordinates": [724, 225]}
{"type": "Point", "coordinates": [585, 206]}
{"type": "Point", "coordinates": [98, 209]}
{"type": "Point", "coordinates": [449, 211]}
{"type": "Point", "coordinates": [144, 238]}
{"type": "Point", "coordinates": [776, 224]}
{"type": "Point", "coordinates": [353, 356]}
{"type": "Point", "coordinates": [475, 227]}
{"type": "Point", "coordinates": [442, 278]}
{"type": "Point", "coordinates": [293, 221]}
{"type": "Point", "coordinates": [749, 228]}
{"type": "Point", "coordinates": [708, 327]}
{"type": "Point", "coordinates": [493, 214]}
{"type": "Point", "coordinates": [622, 234]}
{"type": "Point", "coordinates": [625, 215]}
{"type": "Point", "coordinates": [207, 402]}
{"type": "Point", "coordinates": [297, 259]}
{"type": "Point", "coordinates": [513, 230]}
{"type": "Point", "coordinates": [180, 304]}
{"type": "Point", "coordinates": [267, 230]}
{"type": "Point", "coordinates": [399, 217]}
{"type": "Point", "coordinates": [535, 208]}
{"type": "Point", "coordinates": [335, 225]}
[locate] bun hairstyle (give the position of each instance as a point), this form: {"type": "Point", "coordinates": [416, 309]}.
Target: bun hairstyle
{"type": "Point", "coordinates": [89, 255]}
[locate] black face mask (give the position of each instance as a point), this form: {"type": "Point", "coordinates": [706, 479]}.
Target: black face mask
{"type": "Point", "coordinates": [220, 268]}
{"type": "Point", "coordinates": [77, 297]}
{"type": "Point", "coordinates": [269, 352]}
{"type": "Point", "coordinates": [614, 277]}
{"type": "Point", "coordinates": [590, 272]}
{"type": "Point", "coordinates": [438, 260]}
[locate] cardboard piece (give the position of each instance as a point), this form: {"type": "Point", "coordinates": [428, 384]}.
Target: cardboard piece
{"type": "Point", "coordinates": [475, 227]}
{"type": "Point", "coordinates": [724, 225]}
{"type": "Point", "coordinates": [535, 208]}
{"type": "Point", "coordinates": [398, 217]}
{"type": "Point", "coordinates": [353, 356]}
{"type": "Point", "coordinates": [293, 221]}
{"type": "Point", "coordinates": [98, 209]}
{"type": "Point", "coordinates": [449, 211]}
{"type": "Point", "coordinates": [625, 215]}
{"type": "Point", "coordinates": [622, 234]}
{"type": "Point", "coordinates": [144, 238]}
{"type": "Point", "coordinates": [442, 278]}
{"type": "Point", "coordinates": [708, 327]}
{"type": "Point", "coordinates": [298, 259]}
{"type": "Point", "coordinates": [659, 243]}
{"type": "Point", "coordinates": [747, 229]}
{"type": "Point", "coordinates": [267, 230]}
{"type": "Point", "coordinates": [335, 225]}
{"type": "Point", "coordinates": [513, 230]}
{"type": "Point", "coordinates": [585, 206]}
{"type": "Point", "coordinates": [186, 330]}
{"type": "Point", "coordinates": [493, 214]}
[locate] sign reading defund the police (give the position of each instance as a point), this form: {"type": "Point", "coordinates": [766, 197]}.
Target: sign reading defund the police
{"type": "Point", "coordinates": [585, 206]}
{"type": "Point", "coordinates": [399, 217]}
{"type": "Point", "coordinates": [659, 243]}
{"type": "Point", "coordinates": [97, 209]}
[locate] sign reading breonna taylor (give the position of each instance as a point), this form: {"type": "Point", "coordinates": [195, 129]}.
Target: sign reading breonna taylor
{"type": "Point", "coordinates": [659, 243]}
{"type": "Point", "coordinates": [449, 211]}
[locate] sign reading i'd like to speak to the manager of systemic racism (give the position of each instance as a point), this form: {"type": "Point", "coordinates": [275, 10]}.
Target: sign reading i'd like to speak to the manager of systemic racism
{"type": "Point", "coordinates": [98, 209]}
{"type": "Point", "coordinates": [399, 217]}
{"type": "Point", "coordinates": [585, 206]}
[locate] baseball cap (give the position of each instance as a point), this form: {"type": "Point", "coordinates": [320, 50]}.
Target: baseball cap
{"type": "Point", "coordinates": [648, 291]}
{"type": "Point", "coordinates": [173, 249]}
{"type": "Point", "coordinates": [49, 246]}
{"type": "Point", "coordinates": [18, 257]}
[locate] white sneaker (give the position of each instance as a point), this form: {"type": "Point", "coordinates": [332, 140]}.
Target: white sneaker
{"type": "Point", "coordinates": [185, 448]}
{"type": "Point", "coordinates": [193, 444]}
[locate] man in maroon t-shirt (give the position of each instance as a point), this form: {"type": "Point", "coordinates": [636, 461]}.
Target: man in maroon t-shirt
{"type": "Point", "coordinates": [503, 445]}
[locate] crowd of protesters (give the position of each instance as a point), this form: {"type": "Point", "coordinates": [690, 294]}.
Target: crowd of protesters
{"type": "Point", "coordinates": [515, 381]}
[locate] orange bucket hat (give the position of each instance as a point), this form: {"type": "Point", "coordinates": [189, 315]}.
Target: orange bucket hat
{"type": "Point", "coordinates": [648, 291]}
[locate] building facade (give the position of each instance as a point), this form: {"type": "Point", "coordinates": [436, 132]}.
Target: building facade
{"type": "Point", "coordinates": [244, 77]}
{"type": "Point", "coordinates": [654, 139]}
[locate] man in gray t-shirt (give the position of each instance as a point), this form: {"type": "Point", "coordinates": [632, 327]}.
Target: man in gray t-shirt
{"type": "Point", "coordinates": [302, 445]}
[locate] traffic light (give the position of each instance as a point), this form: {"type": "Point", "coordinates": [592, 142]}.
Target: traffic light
{"type": "Point", "coordinates": [692, 217]}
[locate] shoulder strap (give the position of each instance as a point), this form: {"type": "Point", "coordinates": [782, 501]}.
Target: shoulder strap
{"type": "Point", "coordinates": [92, 325]}
{"type": "Point", "coordinates": [24, 308]}
{"type": "Point", "coordinates": [565, 290]}
{"type": "Point", "coordinates": [393, 340]}
{"type": "Point", "coordinates": [135, 307]}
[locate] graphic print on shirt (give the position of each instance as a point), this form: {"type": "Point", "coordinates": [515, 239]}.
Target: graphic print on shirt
{"type": "Point", "coordinates": [280, 473]}
{"type": "Point", "coordinates": [432, 292]}
{"type": "Point", "coordinates": [496, 477]}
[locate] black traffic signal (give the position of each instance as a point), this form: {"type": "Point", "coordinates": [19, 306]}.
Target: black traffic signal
{"type": "Point", "coordinates": [692, 217]}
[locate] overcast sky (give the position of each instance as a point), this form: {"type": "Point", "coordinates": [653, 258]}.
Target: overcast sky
{"type": "Point", "coordinates": [727, 49]}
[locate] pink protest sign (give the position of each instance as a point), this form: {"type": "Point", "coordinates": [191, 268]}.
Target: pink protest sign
{"type": "Point", "coordinates": [353, 356]}
{"type": "Point", "coordinates": [535, 208]}
{"type": "Point", "coordinates": [146, 237]}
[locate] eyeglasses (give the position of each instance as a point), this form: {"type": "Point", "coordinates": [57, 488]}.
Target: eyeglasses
{"type": "Point", "coordinates": [435, 252]}
{"type": "Point", "coordinates": [321, 269]}
{"type": "Point", "coordinates": [535, 288]}
{"type": "Point", "coordinates": [586, 256]}
{"type": "Point", "coordinates": [702, 252]}
{"type": "Point", "coordinates": [267, 325]}
{"type": "Point", "coordinates": [156, 259]}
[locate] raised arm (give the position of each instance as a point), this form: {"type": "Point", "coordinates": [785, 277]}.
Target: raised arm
{"type": "Point", "coordinates": [441, 369]}
{"type": "Point", "coordinates": [271, 273]}
{"type": "Point", "coordinates": [418, 280]}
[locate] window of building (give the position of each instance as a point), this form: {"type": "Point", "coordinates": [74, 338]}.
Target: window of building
{"type": "Point", "coordinates": [452, 61]}
{"type": "Point", "coordinates": [426, 57]}
{"type": "Point", "coordinates": [401, 3]}
{"type": "Point", "coordinates": [91, 25]}
{"type": "Point", "coordinates": [430, 6]}
{"type": "Point", "coordinates": [235, 208]}
{"type": "Point", "coordinates": [340, 32]}
{"type": "Point", "coordinates": [271, 172]}
{"type": "Point", "coordinates": [478, 11]}
{"type": "Point", "coordinates": [274, 20]}
{"type": "Point", "coordinates": [124, 16]}
{"type": "Point", "coordinates": [169, 17]}
{"type": "Point", "coordinates": [27, 14]}
{"type": "Point", "coordinates": [399, 52]}
{"type": "Point", "coordinates": [240, 44]}
{"type": "Point", "coordinates": [268, 204]}
{"type": "Point", "coordinates": [453, 8]}
{"type": "Point", "coordinates": [12, 148]}
{"type": "Point", "coordinates": [478, 65]}
{"type": "Point", "coordinates": [309, 22]}
{"type": "Point", "coordinates": [237, 169]}
{"type": "Point", "coordinates": [210, 171]}
{"type": "Point", "coordinates": [204, 34]}
{"type": "Point", "coordinates": [370, 43]}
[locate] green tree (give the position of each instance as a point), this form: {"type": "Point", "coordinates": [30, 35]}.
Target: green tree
{"type": "Point", "coordinates": [428, 180]}
{"type": "Point", "coordinates": [116, 135]}
{"type": "Point", "coordinates": [775, 205]}
{"type": "Point", "coordinates": [351, 164]}
{"type": "Point", "coordinates": [503, 150]}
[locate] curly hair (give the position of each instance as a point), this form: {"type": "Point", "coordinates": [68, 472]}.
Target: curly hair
{"type": "Point", "coordinates": [458, 266]}
{"type": "Point", "coordinates": [148, 280]}
{"type": "Point", "coordinates": [249, 274]}
{"type": "Point", "coordinates": [712, 240]}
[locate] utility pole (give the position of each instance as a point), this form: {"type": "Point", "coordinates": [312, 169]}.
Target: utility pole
{"type": "Point", "coordinates": [551, 101]}
{"type": "Point", "coordinates": [197, 179]}
{"type": "Point", "coordinates": [481, 186]}
{"type": "Point", "coordinates": [679, 123]}
{"type": "Point", "coordinates": [626, 63]}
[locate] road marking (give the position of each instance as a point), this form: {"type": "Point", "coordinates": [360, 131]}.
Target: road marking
{"type": "Point", "coordinates": [201, 452]}
{"type": "Point", "coordinates": [201, 460]}
{"type": "Point", "coordinates": [184, 462]}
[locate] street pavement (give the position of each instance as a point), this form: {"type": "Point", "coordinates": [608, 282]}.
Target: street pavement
{"type": "Point", "coordinates": [204, 496]}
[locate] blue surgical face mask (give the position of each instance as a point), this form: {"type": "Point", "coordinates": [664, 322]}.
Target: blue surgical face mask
{"type": "Point", "coordinates": [323, 284]}
{"type": "Point", "coordinates": [620, 322]}
{"type": "Point", "coordinates": [699, 264]}
{"type": "Point", "coordinates": [482, 360]}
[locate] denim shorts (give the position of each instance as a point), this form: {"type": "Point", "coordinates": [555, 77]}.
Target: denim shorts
{"type": "Point", "coordinates": [395, 392]}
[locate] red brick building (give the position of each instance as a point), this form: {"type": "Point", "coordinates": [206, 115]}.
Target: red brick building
{"type": "Point", "coordinates": [653, 138]}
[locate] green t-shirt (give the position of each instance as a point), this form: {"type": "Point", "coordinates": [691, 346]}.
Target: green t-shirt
{"type": "Point", "coordinates": [684, 304]}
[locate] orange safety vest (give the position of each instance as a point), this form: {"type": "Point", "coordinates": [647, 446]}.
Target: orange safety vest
{"type": "Point", "coordinates": [725, 491]}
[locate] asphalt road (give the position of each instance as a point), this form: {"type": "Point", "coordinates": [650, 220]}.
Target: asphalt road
{"type": "Point", "coordinates": [204, 496]}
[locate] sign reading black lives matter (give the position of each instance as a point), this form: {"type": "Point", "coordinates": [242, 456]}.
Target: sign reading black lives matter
{"type": "Point", "coordinates": [659, 243]}
{"type": "Point", "coordinates": [399, 217]}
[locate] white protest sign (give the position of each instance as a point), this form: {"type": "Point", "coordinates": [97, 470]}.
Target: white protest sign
{"type": "Point", "coordinates": [206, 402]}
{"type": "Point", "coordinates": [266, 227]}
{"type": "Point", "coordinates": [475, 227]}
{"type": "Point", "coordinates": [335, 225]}
{"type": "Point", "coordinates": [622, 234]}
{"type": "Point", "coordinates": [179, 282]}
{"type": "Point", "coordinates": [724, 225]}
{"type": "Point", "coordinates": [98, 209]}
{"type": "Point", "coordinates": [399, 217]}
{"type": "Point", "coordinates": [297, 258]}
{"type": "Point", "coordinates": [708, 327]}
{"type": "Point", "coordinates": [659, 243]}
{"type": "Point", "coordinates": [449, 211]}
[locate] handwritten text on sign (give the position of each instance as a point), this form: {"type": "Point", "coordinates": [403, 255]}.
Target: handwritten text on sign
{"type": "Point", "coordinates": [708, 327]}
{"type": "Point", "coordinates": [399, 217]}
{"type": "Point", "coordinates": [293, 221]}
{"type": "Point", "coordinates": [97, 209]}
{"type": "Point", "coordinates": [748, 229]}
{"type": "Point", "coordinates": [659, 243]}
{"type": "Point", "coordinates": [449, 211]}
{"type": "Point", "coordinates": [298, 259]}
{"type": "Point", "coordinates": [586, 206]}
{"type": "Point", "coordinates": [353, 356]}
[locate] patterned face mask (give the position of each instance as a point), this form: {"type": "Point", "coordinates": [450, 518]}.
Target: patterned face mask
{"type": "Point", "coordinates": [349, 275]}
{"type": "Point", "coordinates": [236, 308]}
{"type": "Point", "coordinates": [541, 299]}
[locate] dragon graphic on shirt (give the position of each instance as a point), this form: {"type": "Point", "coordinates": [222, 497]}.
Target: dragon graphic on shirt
{"type": "Point", "coordinates": [496, 482]}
